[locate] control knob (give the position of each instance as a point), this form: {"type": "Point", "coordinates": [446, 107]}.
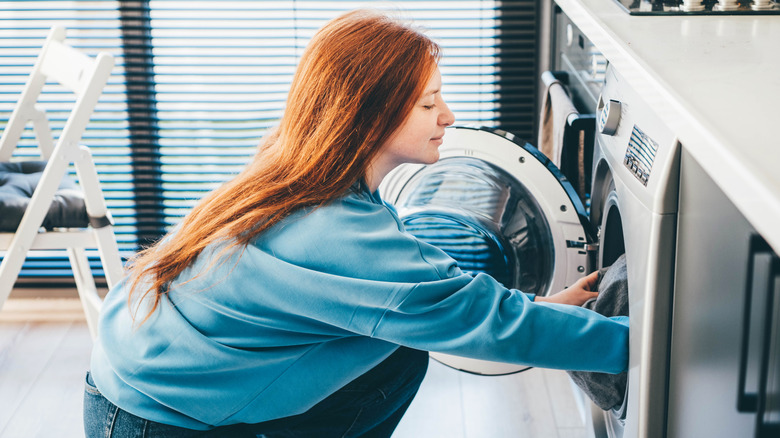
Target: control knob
{"type": "Point", "coordinates": [608, 116]}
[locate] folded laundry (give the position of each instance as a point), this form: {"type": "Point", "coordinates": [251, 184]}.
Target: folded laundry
{"type": "Point", "coordinates": [607, 390]}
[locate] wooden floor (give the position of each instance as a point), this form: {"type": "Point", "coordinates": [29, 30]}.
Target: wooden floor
{"type": "Point", "coordinates": [42, 365]}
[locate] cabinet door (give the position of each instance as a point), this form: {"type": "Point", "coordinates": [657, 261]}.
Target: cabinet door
{"type": "Point", "coordinates": [722, 349]}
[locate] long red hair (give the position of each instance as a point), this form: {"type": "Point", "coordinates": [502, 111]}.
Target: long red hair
{"type": "Point", "coordinates": [357, 82]}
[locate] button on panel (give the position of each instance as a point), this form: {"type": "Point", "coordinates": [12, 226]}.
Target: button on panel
{"type": "Point", "coordinates": [640, 155]}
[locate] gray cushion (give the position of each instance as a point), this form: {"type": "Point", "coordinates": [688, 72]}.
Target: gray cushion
{"type": "Point", "coordinates": [17, 183]}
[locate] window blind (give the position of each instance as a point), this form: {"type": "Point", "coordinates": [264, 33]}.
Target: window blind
{"type": "Point", "coordinates": [92, 26]}
{"type": "Point", "coordinates": [222, 71]}
{"type": "Point", "coordinates": [198, 83]}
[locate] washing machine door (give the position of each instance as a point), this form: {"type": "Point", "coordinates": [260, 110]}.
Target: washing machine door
{"type": "Point", "coordinates": [496, 205]}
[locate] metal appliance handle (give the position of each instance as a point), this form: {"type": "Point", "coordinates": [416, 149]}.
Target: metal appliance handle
{"type": "Point", "coordinates": [549, 77]}
{"type": "Point", "coordinates": [768, 429]}
{"type": "Point", "coordinates": [577, 140]}
{"type": "Point", "coordinates": [757, 402]}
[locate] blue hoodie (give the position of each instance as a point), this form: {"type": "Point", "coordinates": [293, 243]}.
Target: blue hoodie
{"type": "Point", "coordinates": [269, 330]}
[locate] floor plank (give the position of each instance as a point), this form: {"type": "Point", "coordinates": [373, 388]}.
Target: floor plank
{"type": "Point", "coordinates": [42, 366]}
{"type": "Point", "coordinates": [56, 393]}
{"type": "Point", "coordinates": [505, 406]}
{"type": "Point", "coordinates": [29, 349]}
{"type": "Point", "coordinates": [560, 390]}
{"type": "Point", "coordinates": [437, 410]}
{"type": "Point", "coordinates": [454, 404]}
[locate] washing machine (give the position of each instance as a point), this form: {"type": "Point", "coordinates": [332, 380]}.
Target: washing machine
{"type": "Point", "coordinates": [496, 205]}
{"type": "Point", "coordinates": [634, 202]}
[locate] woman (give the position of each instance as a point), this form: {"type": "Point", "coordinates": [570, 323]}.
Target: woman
{"type": "Point", "coordinates": [290, 302]}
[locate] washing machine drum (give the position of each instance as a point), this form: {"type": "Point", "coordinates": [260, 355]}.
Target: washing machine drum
{"type": "Point", "coordinates": [484, 219]}
{"type": "Point", "coordinates": [497, 206]}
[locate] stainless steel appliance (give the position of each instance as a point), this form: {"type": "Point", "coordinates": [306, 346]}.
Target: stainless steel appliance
{"type": "Point", "coordinates": [579, 68]}
{"type": "Point", "coordinates": [574, 55]}
{"type": "Point", "coordinates": [633, 206]}
{"type": "Point", "coordinates": [724, 377]}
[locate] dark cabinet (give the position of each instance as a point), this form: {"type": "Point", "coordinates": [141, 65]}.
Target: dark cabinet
{"type": "Point", "coordinates": [724, 376]}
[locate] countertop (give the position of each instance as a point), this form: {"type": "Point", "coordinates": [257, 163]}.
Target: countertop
{"type": "Point", "coordinates": [715, 81]}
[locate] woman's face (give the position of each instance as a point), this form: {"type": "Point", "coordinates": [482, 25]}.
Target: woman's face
{"type": "Point", "coordinates": [418, 139]}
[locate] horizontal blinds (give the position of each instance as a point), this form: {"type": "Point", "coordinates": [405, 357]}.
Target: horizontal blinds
{"type": "Point", "coordinates": [223, 69]}
{"type": "Point", "coordinates": [92, 26]}
{"type": "Point", "coordinates": [198, 83]}
{"type": "Point", "coordinates": [518, 68]}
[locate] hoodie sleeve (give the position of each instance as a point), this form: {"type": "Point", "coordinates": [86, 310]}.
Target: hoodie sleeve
{"type": "Point", "coordinates": [391, 286]}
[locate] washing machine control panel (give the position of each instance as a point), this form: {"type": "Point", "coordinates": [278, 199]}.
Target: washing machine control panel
{"type": "Point", "coordinates": [640, 154]}
{"type": "Point", "coordinates": [609, 116]}
{"type": "Point", "coordinates": [642, 151]}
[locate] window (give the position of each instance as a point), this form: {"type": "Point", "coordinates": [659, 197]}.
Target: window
{"type": "Point", "coordinates": [198, 83]}
{"type": "Point", "coordinates": [222, 71]}
{"type": "Point", "coordinates": [92, 26]}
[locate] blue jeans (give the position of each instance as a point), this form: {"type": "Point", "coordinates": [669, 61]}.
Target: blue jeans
{"type": "Point", "coordinates": [369, 406]}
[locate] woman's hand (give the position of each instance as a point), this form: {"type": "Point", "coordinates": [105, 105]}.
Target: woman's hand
{"type": "Point", "coordinates": [576, 294]}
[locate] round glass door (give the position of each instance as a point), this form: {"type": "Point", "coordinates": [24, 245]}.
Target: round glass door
{"type": "Point", "coordinates": [483, 218]}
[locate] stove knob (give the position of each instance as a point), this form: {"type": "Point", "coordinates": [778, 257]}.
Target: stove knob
{"type": "Point", "coordinates": [609, 116]}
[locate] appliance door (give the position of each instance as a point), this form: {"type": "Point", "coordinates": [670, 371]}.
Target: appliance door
{"type": "Point", "coordinates": [496, 205]}
{"type": "Point", "coordinates": [724, 375]}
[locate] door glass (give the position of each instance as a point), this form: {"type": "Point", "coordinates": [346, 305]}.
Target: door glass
{"type": "Point", "coordinates": [482, 217]}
